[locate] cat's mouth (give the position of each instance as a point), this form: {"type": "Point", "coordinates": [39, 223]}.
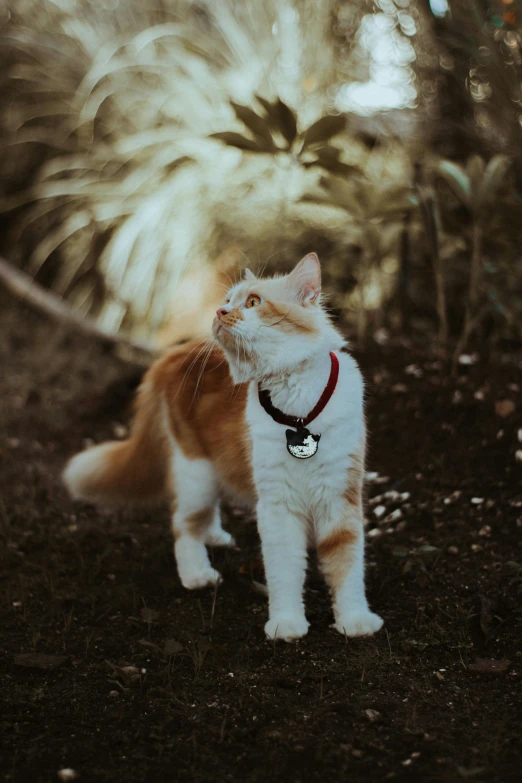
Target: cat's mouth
{"type": "Point", "coordinates": [221, 332]}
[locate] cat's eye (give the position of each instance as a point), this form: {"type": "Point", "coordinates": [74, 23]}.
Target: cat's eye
{"type": "Point", "coordinates": [253, 300]}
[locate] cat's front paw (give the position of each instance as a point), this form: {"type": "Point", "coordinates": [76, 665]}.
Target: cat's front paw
{"type": "Point", "coordinates": [207, 577]}
{"type": "Point", "coordinates": [286, 627]}
{"type": "Point", "coordinates": [362, 623]}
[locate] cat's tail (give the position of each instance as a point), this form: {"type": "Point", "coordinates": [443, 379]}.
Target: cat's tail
{"type": "Point", "coordinates": [131, 470]}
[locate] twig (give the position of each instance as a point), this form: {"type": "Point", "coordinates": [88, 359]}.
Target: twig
{"type": "Point", "coordinates": [389, 644]}
{"type": "Point", "coordinates": [27, 290]}
{"type": "Point", "coordinates": [470, 324]}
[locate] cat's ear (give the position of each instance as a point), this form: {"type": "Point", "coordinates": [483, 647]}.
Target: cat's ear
{"type": "Point", "coordinates": [248, 275]}
{"type": "Point", "coordinates": [305, 279]}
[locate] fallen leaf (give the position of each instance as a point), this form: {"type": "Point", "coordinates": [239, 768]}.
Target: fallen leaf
{"type": "Point", "coordinates": [468, 774]}
{"type": "Point", "coordinates": [172, 646]}
{"type": "Point", "coordinates": [489, 666]}
{"type": "Point", "coordinates": [126, 673]}
{"type": "Point", "coordinates": [505, 408]}
{"type": "Point", "coordinates": [146, 643]}
{"type": "Point", "coordinates": [149, 615]}
{"type": "Point", "coordinates": [487, 605]}
{"type": "Point", "coordinates": [40, 661]}
{"type": "Point", "coordinates": [260, 588]}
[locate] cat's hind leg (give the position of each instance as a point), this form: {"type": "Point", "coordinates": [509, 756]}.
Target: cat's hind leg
{"type": "Point", "coordinates": [216, 535]}
{"type": "Point", "coordinates": [194, 498]}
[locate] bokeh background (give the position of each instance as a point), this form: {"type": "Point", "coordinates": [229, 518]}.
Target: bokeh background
{"type": "Point", "coordinates": [153, 148]}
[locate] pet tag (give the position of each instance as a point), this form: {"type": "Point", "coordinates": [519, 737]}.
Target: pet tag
{"type": "Point", "coordinates": [301, 444]}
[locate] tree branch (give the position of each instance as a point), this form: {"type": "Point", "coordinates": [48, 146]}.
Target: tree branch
{"type": "Point", "coordinates": [27, 290]}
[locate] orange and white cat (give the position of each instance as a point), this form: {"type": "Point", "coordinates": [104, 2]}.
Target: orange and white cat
{"type": "Point", "coordinates": [200, 430]}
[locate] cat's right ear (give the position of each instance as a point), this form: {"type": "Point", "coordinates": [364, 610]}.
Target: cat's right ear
{"type": "Point", "coordinates": [305, 279]}
{"type": "Point", "coordinates": [248, 275]}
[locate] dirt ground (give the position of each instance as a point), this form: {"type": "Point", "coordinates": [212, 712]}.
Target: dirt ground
{"type": "Point", "coordinates": [206, 697]}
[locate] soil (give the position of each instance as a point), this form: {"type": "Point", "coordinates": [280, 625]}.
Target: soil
{"type": "Point", "coordinates": [206, 697]}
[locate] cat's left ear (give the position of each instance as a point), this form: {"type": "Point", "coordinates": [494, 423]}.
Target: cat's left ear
{"type": "Point", "coordinates": [305, 279]}
{"type": "Point", "coordinates": [248, 275]}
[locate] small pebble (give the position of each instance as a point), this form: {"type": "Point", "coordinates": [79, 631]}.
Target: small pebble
{"type": "Point", "coordinates": [394, 516]}
{"type": "Point", "coordinates": [67, 774]}
{"type": "Point", "coordinates": [466, 359]}
{"type": "Point", "coordinates": [453, 550]}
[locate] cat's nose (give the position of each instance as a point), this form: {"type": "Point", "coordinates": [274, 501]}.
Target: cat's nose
{"type": "Point", "coordinates": [221, 312]}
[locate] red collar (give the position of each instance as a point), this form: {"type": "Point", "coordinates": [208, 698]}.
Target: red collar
{"type": "Point", "coordinates": [294, 421]}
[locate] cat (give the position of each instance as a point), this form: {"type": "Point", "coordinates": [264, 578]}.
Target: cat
{"type": "Point", "coordinates": [200, 429]}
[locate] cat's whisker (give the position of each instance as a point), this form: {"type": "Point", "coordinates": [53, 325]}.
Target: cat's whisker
{"type": "Point", "coordinates": [193, 362]}
{"type": "Point", "coordinates": [263, 268]}
{"type": "Point", "coordinates": [204, 363]}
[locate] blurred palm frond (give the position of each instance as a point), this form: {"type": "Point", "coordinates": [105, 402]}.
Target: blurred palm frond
{"type": "Point", "coordinates": [128, 111]}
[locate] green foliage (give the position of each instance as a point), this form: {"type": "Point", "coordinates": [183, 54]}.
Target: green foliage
{"type": "Point", "coordinates": [477, 186]}
{"type": "Point", "coordinates": [279, 124]}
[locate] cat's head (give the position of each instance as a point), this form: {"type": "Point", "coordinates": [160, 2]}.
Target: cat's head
{"type": "Point", "coordinates": [267, 327]}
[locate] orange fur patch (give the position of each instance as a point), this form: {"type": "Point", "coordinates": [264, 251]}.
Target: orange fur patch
{"type": "Point", "coordinates": [335, 555]}
{"type": "Point", "coordinates": [286, 316]}
{"type": "Point", "coordinates": [232, 317]}
{"type": "Point", "coordinates": [199, 521]}
{"type": "Point", "coordinates": [135, 469]}
{"type": "Point", "coordinates": [353, 491]}
{"type": "Point", "coordinates": [339, 538]}
{"type": "Point", "coordinates": [206, 412]}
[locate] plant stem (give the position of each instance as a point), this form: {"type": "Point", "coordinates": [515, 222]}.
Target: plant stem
{"type": "Point", "coordinates": [476, 255]}
{"type": "Point", "coordinates": [362, 320]}
{"type": "Point", "coordinates": [472, 316]}
{"type": "Point", "coordinates": [404, 273]}
{"type": "Point", "coordinates": [431, 218]}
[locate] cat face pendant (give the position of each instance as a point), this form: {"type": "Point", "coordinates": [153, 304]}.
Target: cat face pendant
{"type": "Point", "coordinates": [301, 444]}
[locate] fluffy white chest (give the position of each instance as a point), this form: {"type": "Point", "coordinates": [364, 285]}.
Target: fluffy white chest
{"type": "Point", "coordinates": [306, 485]}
